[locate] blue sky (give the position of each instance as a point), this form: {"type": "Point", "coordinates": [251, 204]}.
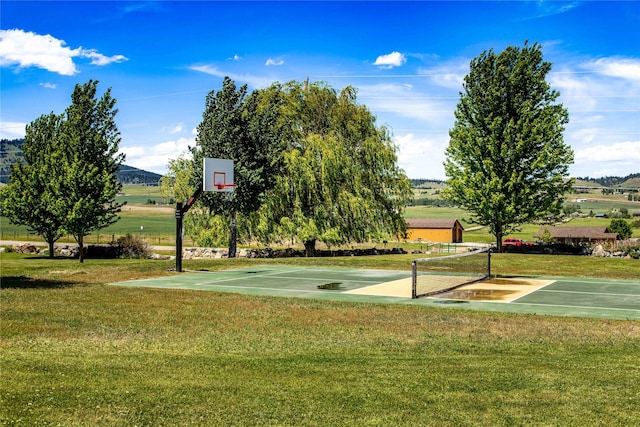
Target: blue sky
{"type": "Point", "coordinates": [407, 60]}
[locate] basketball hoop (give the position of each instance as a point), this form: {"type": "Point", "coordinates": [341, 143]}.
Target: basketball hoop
{"type": "Point", "coordinates": [218, 175]}
{"type": "Point", "coordinates": [221, 187]}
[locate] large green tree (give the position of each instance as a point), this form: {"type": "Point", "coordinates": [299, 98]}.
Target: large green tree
{"type": "Point", "coordinates": [339, 181]}
{"type": "Point", "coordinates": [68, 182]}
{"type": "Point", "coordinates": [237, 127]}
{"type": "Point", "coordinates": [87, 163]}
{"type": "Point", "coordinates": [507, 162]}
{"type": "Point", "coordinates": [30, 197]}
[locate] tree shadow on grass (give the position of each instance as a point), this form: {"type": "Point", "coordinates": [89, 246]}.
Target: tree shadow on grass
{"type": "Point", "coordinates": [24, 282]}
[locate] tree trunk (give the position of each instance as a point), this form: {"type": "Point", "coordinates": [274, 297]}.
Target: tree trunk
{"type": "Point", "coordinates": [80, 241]}
{"type": "Point", "coordinates": [499, 236]}
{"type": "Point", "coordinates": [51, 249]}
{"type": "Point", "coordinates": [233, 234]}
{"type": "Point", "coordinates": [310, 248]}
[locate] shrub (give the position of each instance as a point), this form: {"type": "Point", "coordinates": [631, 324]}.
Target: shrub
{"type": "Point", "coordinates": [621, 227]}
{"type": "Point", "coordinates": [132, 247]}
{"type": "Point", "coordinates": [570, 209]}
{"type": "Point", "coordinates": [630, 247]}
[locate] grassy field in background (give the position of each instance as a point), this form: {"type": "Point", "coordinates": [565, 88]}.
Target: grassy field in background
{"type": "Point", "coordinates": [82, 353]}
{"type": "Point", "coordinates": [156, 223]}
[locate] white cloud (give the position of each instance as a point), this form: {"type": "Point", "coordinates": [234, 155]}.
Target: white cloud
{"type": "Point", "coordinates": [604, 84]}
{"type": "Point", "coordinates": [100, 59]}
{"type": "Point", "coordinates": [12, 130]}
{"type": "Point", "coordinates": [601, 97]}
{"type": "Point", "coordinates": [176, 129]}
{"type": "Point", "coordinates": [623, 152]}
{"type": "Point", "coordinates": [449, 75]}
{"type": "Point", "coordinates": [605, 160]}
{"type": "Point", "coordinates": [624, 68]}
{"type": "Point", "coordinates": [276, 62]}
{"type": "Point", "coordinates": [393, 59]}
{"type": "Point", "coordinates": [406, 101]}
{"type": "Point", "coordinates": [237, 57]}
{"type": "Point", "coordinates": [551, 8]}
{"type": "Point", "coordinates": [48, 85]}
{"type": "Point", "coordinates": [208, 69]}
{"type": "Point", "coordinates": [253, 81]}
{"type": "Point", "coordinates": [132, 152]}
{"type": "Point", "coordinates": [421, 157]}
{"type": "Point", "coordinates": [583, 135]}
{"type": "Point", "coordinates": [615, 159]}
{"type": "Point", "coordinates": [567, 81]}
{"type": "Point", "coordinates": [28, 49]}
{"type": "Point", "coordinates": [155, 158]}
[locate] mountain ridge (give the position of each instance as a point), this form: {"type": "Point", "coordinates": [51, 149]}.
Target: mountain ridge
{"type": "Point", "coordinates": [11, 151]}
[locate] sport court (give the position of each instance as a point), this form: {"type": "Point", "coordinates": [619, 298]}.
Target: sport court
{"type": "Point", "coordinates": [558, 296]}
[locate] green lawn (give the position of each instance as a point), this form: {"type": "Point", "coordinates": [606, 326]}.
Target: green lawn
{"type": "Point", "coordinates": [76, 352]}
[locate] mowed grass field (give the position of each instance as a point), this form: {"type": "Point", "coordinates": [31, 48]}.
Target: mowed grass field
{"type": "Point", "coordinates": [77, 352]}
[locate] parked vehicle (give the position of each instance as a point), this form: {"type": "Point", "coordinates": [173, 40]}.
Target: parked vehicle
{"type": "Point", "coordinates": [516, 242]}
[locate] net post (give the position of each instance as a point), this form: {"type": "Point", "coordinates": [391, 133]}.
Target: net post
{"type": "Point", "coordinates": [489, 262]}
{"type": "Point", "coordinates": [179, 215]}
{"type": "Point", "coordinates": [414, 278]}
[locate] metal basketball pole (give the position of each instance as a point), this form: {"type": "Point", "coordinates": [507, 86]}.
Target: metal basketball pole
{"type": "Point", "coordinates": [180, 211]}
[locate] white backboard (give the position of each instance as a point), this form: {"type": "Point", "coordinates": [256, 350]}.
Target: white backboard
{"type": "Point", "coordinates": [217, 175]}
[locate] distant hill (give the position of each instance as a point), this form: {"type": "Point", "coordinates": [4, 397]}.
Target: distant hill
{"type": "Point", "coordinates": [631, 183]}
{"type": "Point", "coordinates": [579, 182]}
{"type": "Point", "coordinates": [11, 150]}
{"type": "Point", "coordinates": [420, 183]}
{"type": "Point", "coordinates": [131, 175]}
{"type": "Point", "coordinates": [631, 180]}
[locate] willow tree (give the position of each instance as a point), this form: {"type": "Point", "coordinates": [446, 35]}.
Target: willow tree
{"type": "Point", "coordinates": [507, 163]}
{"type": "Point", "coordinates": [339, 181]}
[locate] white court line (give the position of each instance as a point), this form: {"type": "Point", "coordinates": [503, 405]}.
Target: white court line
{"type": "Point", "coordinates": [589, 293]}
{"type": "Point", "coordinates": [530, 292]}
{"type": "Point", "coordinates": [325, 279]}
{"type": "Point", "coordinates": [261, 288]}
{"type": "Point", "coordinates": [230, 279]}
{"type": "Point", "coordinates": [571, 281]}
{"type": "Point", "coordinates": [291, 277]}
{"type": "Point", "coordinates": [581, 306]}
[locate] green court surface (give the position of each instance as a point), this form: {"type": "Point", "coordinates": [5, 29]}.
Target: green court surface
{"type": "Point", "coordinates": [577, 297]}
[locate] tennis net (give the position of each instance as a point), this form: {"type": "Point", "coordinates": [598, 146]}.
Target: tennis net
{"type": "Point", "coordinates": [432, 276]}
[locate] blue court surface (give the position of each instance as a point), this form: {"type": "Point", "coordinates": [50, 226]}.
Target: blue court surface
{"type": "Point", "coordinates": [557, 296]}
